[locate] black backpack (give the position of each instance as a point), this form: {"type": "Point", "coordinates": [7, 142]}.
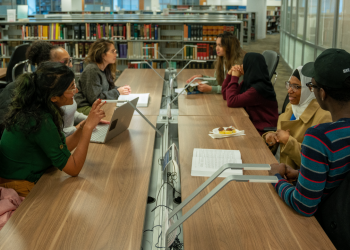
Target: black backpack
{"type": "Point", "coordinates": [333, 215]}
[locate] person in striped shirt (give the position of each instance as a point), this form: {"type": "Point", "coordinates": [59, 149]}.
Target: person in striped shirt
{"type": "Point", "coordinates": [325, 151]}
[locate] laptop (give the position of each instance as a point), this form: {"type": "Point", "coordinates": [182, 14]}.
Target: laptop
{"type": "Point", "coordinates": [119, 123]}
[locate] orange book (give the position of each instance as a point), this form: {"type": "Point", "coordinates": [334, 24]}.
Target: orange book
{"type": "Point", "coordinates": [205, 33]}
{"type": "Point", "coordinates": [185, 32]}
{"type": "Point", "coordinates": [210, 33]}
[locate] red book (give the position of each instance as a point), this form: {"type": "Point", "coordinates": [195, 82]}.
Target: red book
{"type": "Point", "coordinates": [124, 32]}
{"type": "Point", "coordinates": [98, 31]}
{"type": "Point", "coordinates": [207, 54]}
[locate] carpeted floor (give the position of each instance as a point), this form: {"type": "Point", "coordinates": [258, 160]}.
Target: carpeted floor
{"type": "Point", "coordinates": [272, 42]}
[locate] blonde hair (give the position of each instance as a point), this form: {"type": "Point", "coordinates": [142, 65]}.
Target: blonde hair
{"type": "Point", "coordinates": [234, 54]}
{"type": "Point", "coordinates": [96, 51]}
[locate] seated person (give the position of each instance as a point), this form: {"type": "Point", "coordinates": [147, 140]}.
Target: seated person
{"type": "Point", "coordinates": [255, 93]}
{"type": "Point", "coordinates": [302, 112]}
{"type": "Point", "coordinates": [97, 79]}
{"type": "Point", "coordinates": [325, 151]}
{"type": "Point", "coordinates": [38, 52]}
{"type": "Point", "coordinates": [229, 53]}
{"type": "Point", "coordinates": [33, 127]}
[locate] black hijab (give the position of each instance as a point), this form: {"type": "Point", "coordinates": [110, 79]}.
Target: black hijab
{"type": "Point", "coordinates": [256, 75]}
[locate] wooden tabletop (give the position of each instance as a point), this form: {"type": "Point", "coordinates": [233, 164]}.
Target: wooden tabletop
{"type": "Point", "coordinates": [103, 208]}
{"type": "Point", "coordinates": [203, 104]}
{"type": "Point", "coordinates": [3, 72]}
{"type": "Point", "coordinates": [241, 215]}
{"type": "Point", "coordinates": [144, 81]}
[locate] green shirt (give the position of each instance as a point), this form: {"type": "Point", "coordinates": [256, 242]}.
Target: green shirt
{"type": "Point", "coordinates": [28, 157]}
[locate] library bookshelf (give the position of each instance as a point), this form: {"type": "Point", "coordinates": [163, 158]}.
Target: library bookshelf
{"type": "Point", "coordinates": [167, 33]}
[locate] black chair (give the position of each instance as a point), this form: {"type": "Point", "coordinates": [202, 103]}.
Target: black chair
{"type": "Point", "coordinates": [272, 60]}
{"type": "Point", "coordinates": [16, 64]}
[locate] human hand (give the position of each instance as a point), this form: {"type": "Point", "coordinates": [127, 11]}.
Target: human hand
{"type": "Point", "coordinates": [81, 125]}
{"type": "Point", "coordinates": [95, 115]}
{"type": "Point", "coordinates": [104, 122]}
{"type": "Point", "coordinates": [278, 168]}
{"type": "Point", "coordinates": [271, 139]}
{"type": "Point", "coordinates": [282, 136]}
{"type": "Point", "coordinates": [204, 87]}
{"type": "Point", "coordinates": [191, 79]}
{"type": "Point", "coordinates": [291, 174]}
{"type": "Point", "coordinates": [125, 90]}
{"type": "Point", "coordinates": [236, 71]}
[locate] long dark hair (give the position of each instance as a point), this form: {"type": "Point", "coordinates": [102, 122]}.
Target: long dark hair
{"type": "Point", "coordinates": [234, 55]}
{"type": "Point", "coordinates": [32, 97]}
{"type": "Point", "coordinates": [97, 49]}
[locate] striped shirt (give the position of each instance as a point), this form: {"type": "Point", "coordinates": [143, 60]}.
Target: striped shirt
{"type": "Point", "coordinates": [325, 161]}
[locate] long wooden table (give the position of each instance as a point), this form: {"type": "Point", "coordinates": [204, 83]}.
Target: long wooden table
{"type": "Point", "coordinates": [203, 104]}
{"type": "Point", "coordinates": [103, 208]}
{"type": "Point", "coordinates": [144, 81]}
{"type": "Point", "coordinates": [242, 215]}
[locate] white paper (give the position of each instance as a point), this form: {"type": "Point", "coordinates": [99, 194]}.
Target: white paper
{"type": "Point", "coordinates": [205, 162]}
{"type": "Point", "coordinates": [107, 8]}
{"type": "Point", "coordinates": [11, 15]}
{"type": "Point", "coordinates": [143, 99]}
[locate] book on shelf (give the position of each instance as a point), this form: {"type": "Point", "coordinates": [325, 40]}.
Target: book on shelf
{"type": "Point", "coordinates": [195, 32]}
{"type": "Point", "coordinates": [205, 162]}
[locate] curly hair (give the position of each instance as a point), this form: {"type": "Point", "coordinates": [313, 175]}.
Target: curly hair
{"type": "Point", "coordinates": [39, 51]}
{"type": "Point", "coordinates": [234, 54]}
{"type": "Point", "coordinates": [97, 49]}
{"type": "Point", "coordinates": [32, 97]}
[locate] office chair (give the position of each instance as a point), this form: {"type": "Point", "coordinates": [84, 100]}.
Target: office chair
{"type": "Point", "coordinates": [16, 64]}
{"type": "Point", "coordinates": [272, 59]}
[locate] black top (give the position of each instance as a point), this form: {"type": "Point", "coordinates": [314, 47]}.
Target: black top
{"type": "Point", "coordinates": [256, 75]}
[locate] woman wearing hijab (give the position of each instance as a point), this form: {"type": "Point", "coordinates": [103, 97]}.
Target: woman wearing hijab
{"type": "Point", "coordinates": [255, 93]}
{"type": "Point", "coordinates": [302, 112]}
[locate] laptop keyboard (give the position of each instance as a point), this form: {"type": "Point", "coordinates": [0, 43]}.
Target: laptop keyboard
{"type": "Point", "coordinates": [99, 133]}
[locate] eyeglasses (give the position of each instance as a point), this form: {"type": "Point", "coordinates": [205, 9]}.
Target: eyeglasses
{"type": "Point", "coordinates": [67, 61]}
{"type": "Point", "coordinates": [293, 86]}
{"type": "Point", "coordinates": [114, 51]}
{"type": "Point", "coordinates": [312, 86]}
{"type": "Point", "coordinates": [72, 91]}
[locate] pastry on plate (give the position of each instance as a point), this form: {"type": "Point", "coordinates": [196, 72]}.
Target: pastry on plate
{"type": "Point", "coordinates": [229, 131]}
{"type": "Point", "coordinates": [221, 130]}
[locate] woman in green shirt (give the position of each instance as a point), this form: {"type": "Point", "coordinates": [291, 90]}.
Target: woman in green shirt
{"type": "Point", "coordinates": [229, 53]}
{"type": "Point", "coordinates": [33, 140]}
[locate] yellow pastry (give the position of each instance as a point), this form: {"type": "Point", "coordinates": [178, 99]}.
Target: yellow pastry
{"type": "Point", "coordinates": [229, 131]}
{"type": "Point", "coordinates": [221, 130]}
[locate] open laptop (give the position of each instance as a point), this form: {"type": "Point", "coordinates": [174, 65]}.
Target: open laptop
{"type": "Point", "coordinates": [120, 122]}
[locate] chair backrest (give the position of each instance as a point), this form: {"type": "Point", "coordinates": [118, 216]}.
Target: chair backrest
{"type": "Point", "coordinates": [285, 103]}
{"type": "Point", "coordinates": [272, 59]}
{"type": "Point", "coordinates": [18, 55]}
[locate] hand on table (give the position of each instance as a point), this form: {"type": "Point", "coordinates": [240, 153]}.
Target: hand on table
{"type": "Point", "coordinates": [125, 90]}
{"type": "Point", "coordinates": [285, 171]}
{"type": "Point", "coordinates": [204, 87]}
{"type": "Point", "coordinates": [104, 122]}
{"type": "Point", "coordinates": [271, 139]}
{"type": "Point", "coordinates": [189, 80]}
{"type": "Point", "coordinates": [282, 136]}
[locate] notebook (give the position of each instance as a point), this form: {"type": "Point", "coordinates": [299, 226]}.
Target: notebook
{"type": "Point", "coordinates": [205, 162]}
{"type": "Point", "coordinates": [143, 99]}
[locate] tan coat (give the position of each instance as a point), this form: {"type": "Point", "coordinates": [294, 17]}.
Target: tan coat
{"type": "Point", "coordinates": [313, 115]}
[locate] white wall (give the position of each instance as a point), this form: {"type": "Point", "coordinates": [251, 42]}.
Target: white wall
{"type": "Point", "coordinates": [273, 3]}
{"type": "Point", "coordinates": [259, 7]}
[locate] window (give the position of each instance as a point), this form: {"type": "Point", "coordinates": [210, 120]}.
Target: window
{"type": "Point", "coordinates": [311, 21]}
{"type": "Point", "coordinates": [301, 19]}
{"type": "Point", "coordinates": [325, 34]}
{"type": "Point", "coordinates": [126, 4]}
{"type": "Point", "coordinates": [343, 37]}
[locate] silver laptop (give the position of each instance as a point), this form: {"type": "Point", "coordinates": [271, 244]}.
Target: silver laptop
{"type": "Point", "coordinates": [119, 123]}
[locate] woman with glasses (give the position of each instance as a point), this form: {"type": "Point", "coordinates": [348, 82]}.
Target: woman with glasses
{"type": "Point", "coordinates": [33, 140]}
{"type": "Point", "coordinates": [97, 79]}
{"type": "Point", "coordinates": [302, 112]}
{"type": "Point", "coordinates": [37, 53]}
{"type": "Point", "coordinates": [255, 93]}
{"type": "Point", "coordinates": [229, 53]}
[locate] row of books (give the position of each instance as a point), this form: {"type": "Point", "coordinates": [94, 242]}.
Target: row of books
{"type": "Point", "coordinates": [196, 32]}
{"type": "Point", "coordinates": [140, 50]}
{"type": "Point", "coordinates": [203, 51]}
{"type": "Point", "coordinates": [91, 31]}
{"type": "Point", "coordinates": [6, 48]}
{"type": "Point", "coordinates": [273, 13]}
